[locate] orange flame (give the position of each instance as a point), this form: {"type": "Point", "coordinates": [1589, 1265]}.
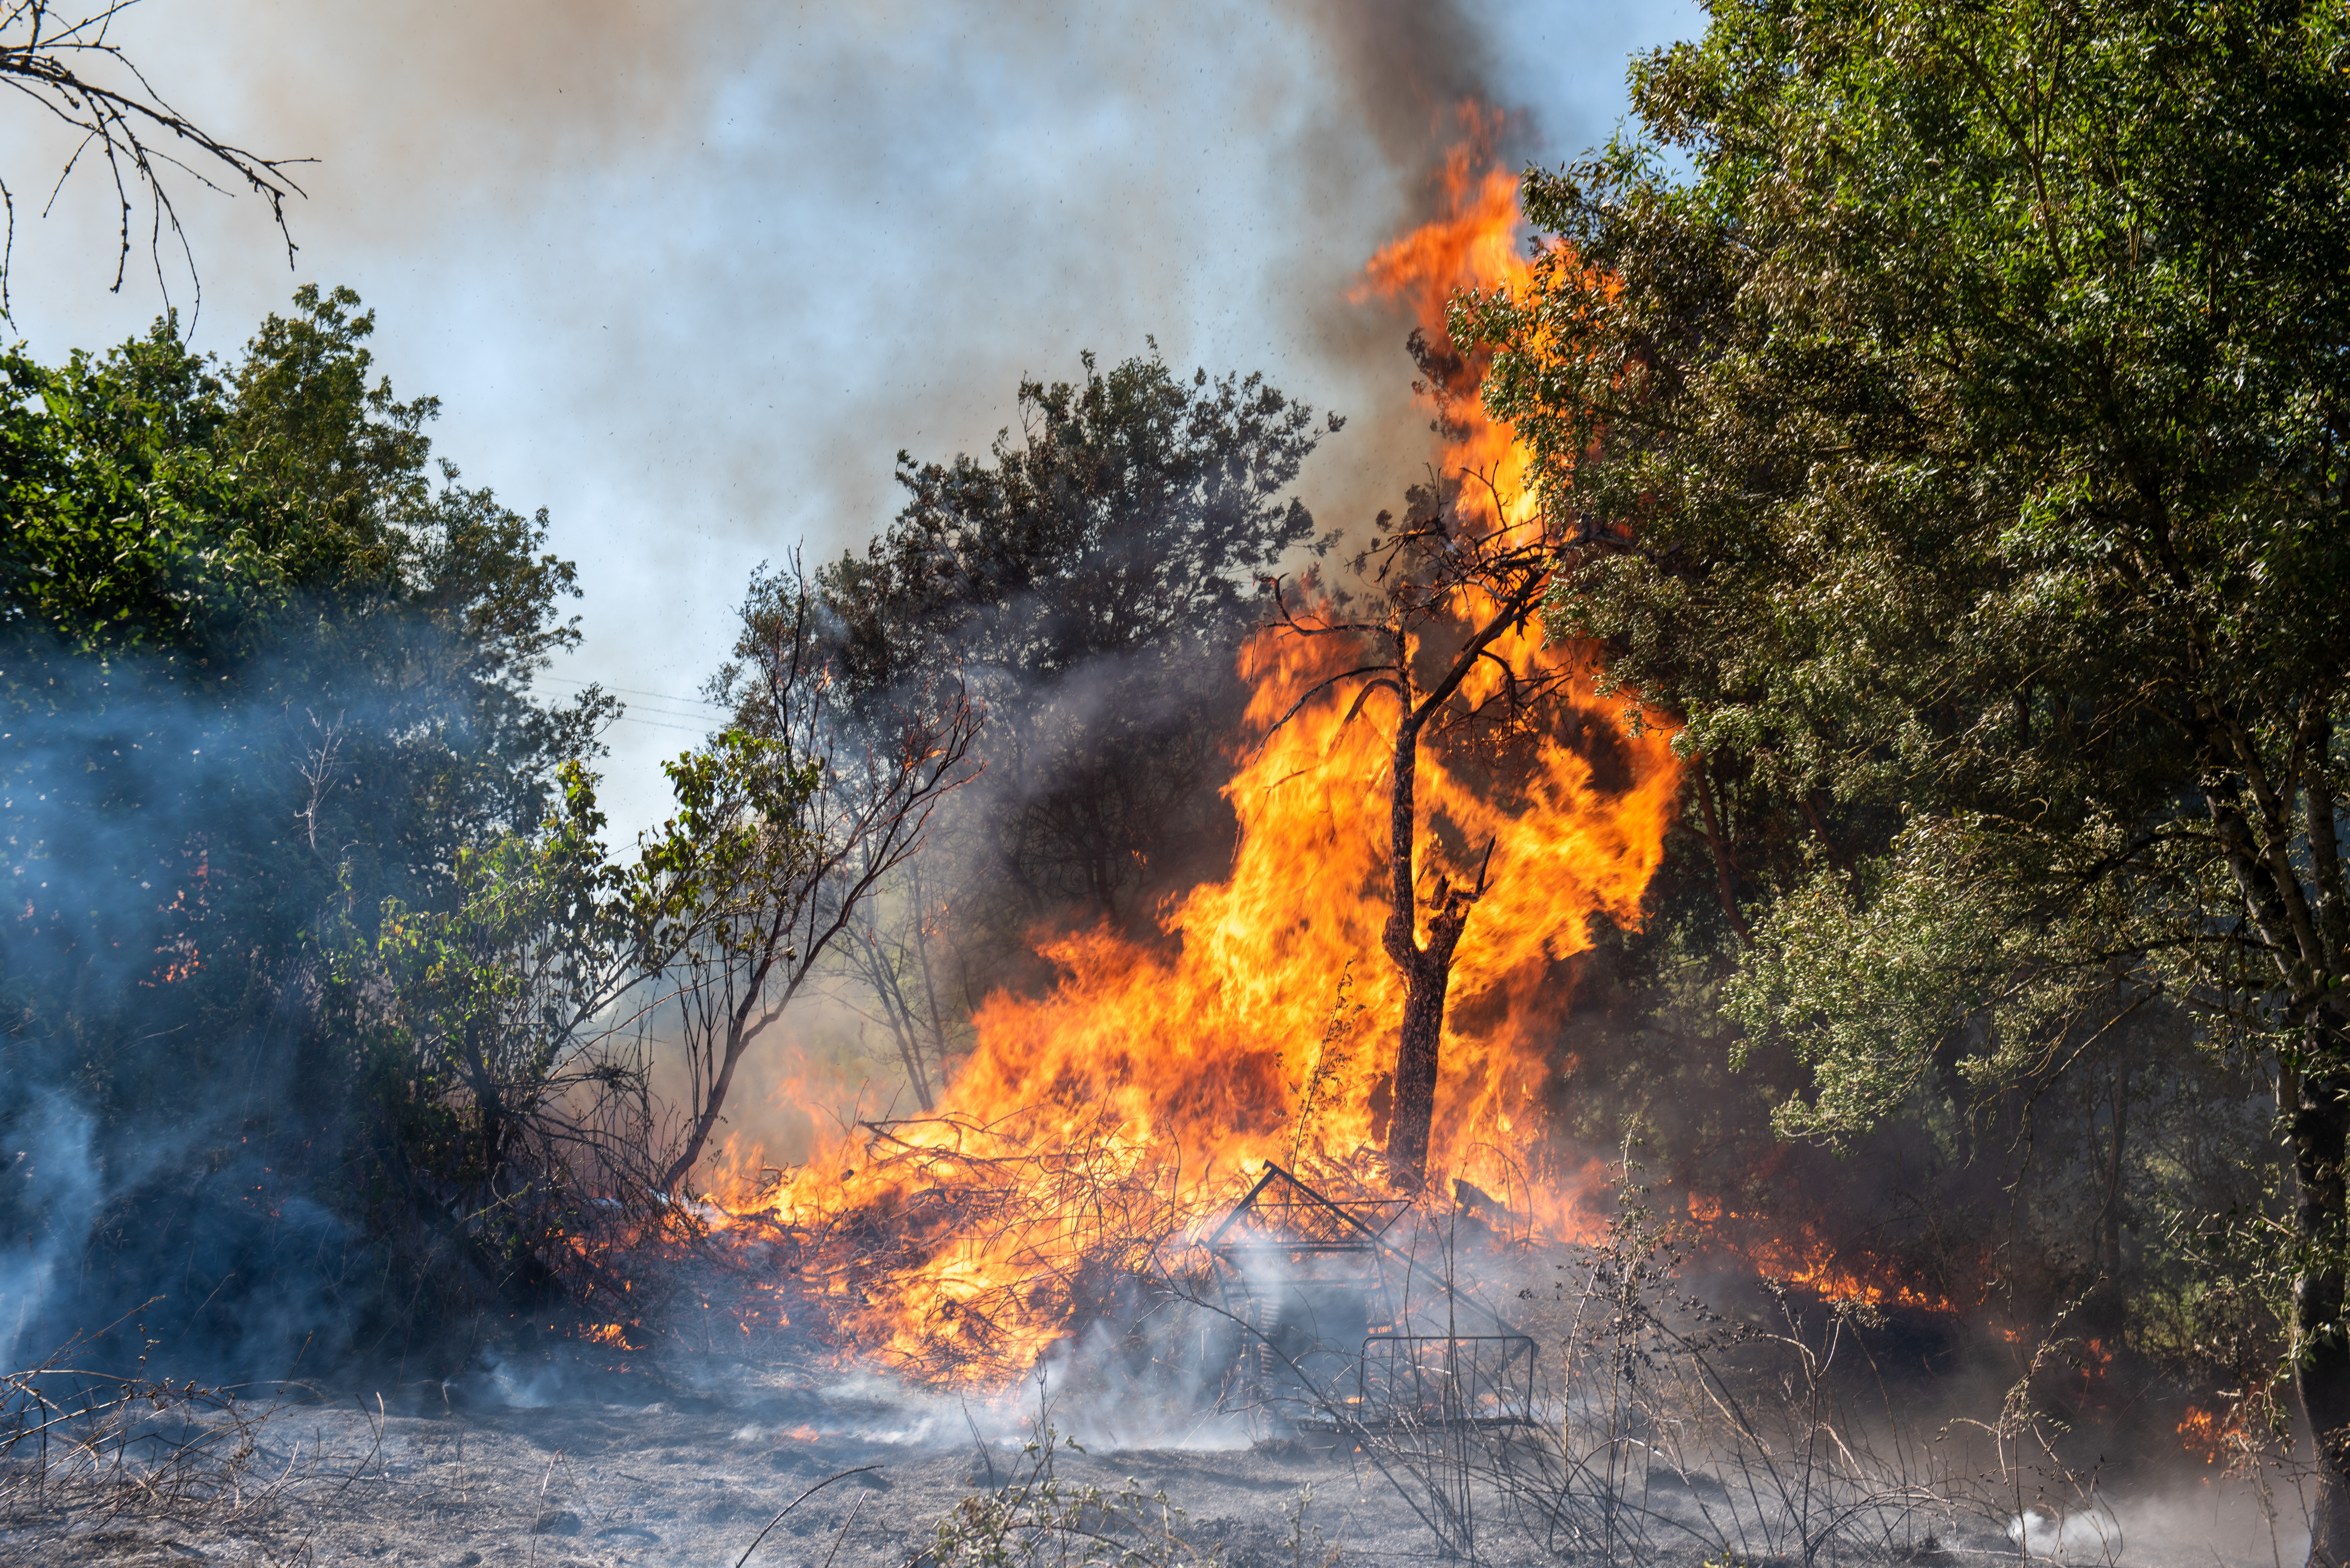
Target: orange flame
{"type": "Point", "coordinates": [1808, 1261]}
{"type": "Point", "coordinates": [1132, 1101]}
{"type": "Point", "coordinates": [1474, 245]}
{"type": "Point", "coordinates": [1821, 1270]}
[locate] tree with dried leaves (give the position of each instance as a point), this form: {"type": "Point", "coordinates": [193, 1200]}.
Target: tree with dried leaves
{"type": "Point", "coordinates": [788, 823]}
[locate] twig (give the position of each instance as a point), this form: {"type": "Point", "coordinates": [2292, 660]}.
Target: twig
{"type": "Point", "coordinates": [844, 1530]}
{"type": "Point", "coordinates": [538, 1515]}
{"type": "Point", "coordinates": [794, 1503]}
{"type": "Point", "coordinates": [986, 1457]}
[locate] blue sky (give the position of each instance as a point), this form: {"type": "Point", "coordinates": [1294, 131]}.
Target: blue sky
{"type": "Point", "coordinates": [689, 275]}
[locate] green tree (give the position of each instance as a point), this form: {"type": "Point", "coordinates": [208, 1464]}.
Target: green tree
{"type": "Point", "coordinates": [494, 1051]}
{"type": "Point", "coordinates": [1966, 415]}
{"type": "Point", "coordinates": [257, 662]}
{"type": "Point", "coordinates": [1091, 577]}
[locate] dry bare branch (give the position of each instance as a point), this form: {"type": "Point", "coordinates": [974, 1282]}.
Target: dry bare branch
{"type": "Point", "coordinates": [58, 62]}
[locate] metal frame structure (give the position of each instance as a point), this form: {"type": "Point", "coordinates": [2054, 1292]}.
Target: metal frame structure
{"type": "Point", "coordinates": [1302, 1221]}
{"type": "Point", "coordinates": [1408, 1382]}
{"type": "Point", "coordinates": [1303, 1273]}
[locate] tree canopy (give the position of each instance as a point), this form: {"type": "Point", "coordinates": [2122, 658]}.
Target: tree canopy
{"type": "Point", "coordinates": [1132, 515]}
{"type": "Point", "coordinates": [1092, 576]}
{"type": "Point", "coordinates": [260, 665]}
{"type": "Point", "coordinates": [1959, 392]}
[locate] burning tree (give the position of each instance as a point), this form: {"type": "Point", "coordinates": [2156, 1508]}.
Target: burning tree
{"type": "Point", "coordinates": [1140, 1092]}
{"type": "Point", "coordinates": [1457, 584]}
{"type": "Point", "coordinates": [1093, 575]}
{"type": "Point", "coordinates": [1458, 581]}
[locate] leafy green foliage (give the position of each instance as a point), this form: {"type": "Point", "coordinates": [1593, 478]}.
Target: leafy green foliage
{"type": "Point", "coordinates": [1132, 516]}
{"type": "Point", "coordinates": [1870, 990]}
{"type": "Point", "coordinates": [493, 995]}
{"type": "Point", "coordinates": [259, 668]}
{"type": "Point", "coordinates": [1091, 577]}
{"type": "Point", "coordinates": [1960, 443]}
{"type": "Point", "coordinates": [504, 1093]}
{"type": "Point", "coordinates": [738, 830]}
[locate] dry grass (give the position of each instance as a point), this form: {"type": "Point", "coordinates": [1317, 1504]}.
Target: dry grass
{"type": "Point", "coordinates": [90, 1456]}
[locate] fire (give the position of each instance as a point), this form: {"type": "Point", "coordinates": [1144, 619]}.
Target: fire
{"type": "Point", "coordinates": [1475, 245]}
{"type": "Point", "coordinates": [2206, 1433]}
{"type": "Point", "coordinates": [1821, 1270]}
{"type": "Point", "coordinates": [1132, 1099]}
{"type": "Point", "coordinates": [1136, 1100]}
{"type": "Point", "coordinates": [1808, 1261]}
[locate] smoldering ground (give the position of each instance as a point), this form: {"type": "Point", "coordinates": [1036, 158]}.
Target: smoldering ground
{"type": "Point", "coordinates": [687, 1455]}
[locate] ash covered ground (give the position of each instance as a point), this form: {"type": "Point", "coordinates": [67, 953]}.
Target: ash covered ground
{"type": "Point", "coordinates": [538, 1467]}
{"type": "Point", "coordinates": [548, 1462]}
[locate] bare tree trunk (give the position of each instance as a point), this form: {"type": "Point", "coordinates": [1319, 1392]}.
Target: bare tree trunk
{"type": "Point", "coordinates": [2321, 1142]}
{"type": "Point", "coordinates": [1427, 978]}
{"type": "Point", "coordinates": [740, 1031]}
{"type": "Point", "coordinates": [2109, 1307]}
{"type": "Point", "coordinates": [901, 1018]}
{"type": "Point", "coordinates": [709, 1120]}
{"type": "Point", "coordinates": [1427, 973]}
{"type": "Point", "coordinates": [2109, 1227]}
{"type": "Point", "coordinates": [929, 987]}
{"type": "Point", "coordinates": [1723, 887]}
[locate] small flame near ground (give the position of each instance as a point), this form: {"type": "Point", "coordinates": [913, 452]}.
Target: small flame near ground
{"type": "Point", "coordinates": [1129, 1107]}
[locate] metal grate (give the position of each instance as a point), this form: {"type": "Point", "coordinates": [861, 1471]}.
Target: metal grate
{"type": "Point", "coordinates": [1413, 1382]}
{"type": "Point", "coordinates": [1282, 1214]}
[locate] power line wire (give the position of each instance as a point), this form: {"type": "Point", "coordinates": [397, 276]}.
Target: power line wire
{"type": "Point", "coordinates": [672, 713]}
{"type": "Point", "coordinates": [633, 691]}
{"type": "Point", "coordinates": [657, 724]}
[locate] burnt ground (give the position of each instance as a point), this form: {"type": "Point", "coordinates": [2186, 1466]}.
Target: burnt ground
{"type": "Point", "coordinates": [686, 1468]}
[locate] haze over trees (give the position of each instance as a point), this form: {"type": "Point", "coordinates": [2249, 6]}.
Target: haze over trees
{"type": "Point", "coordinates": [261, 663]}
{"type": "Point", "coordinates": [313, 876]}
{"type": "Point", "coordinates": [1093, 577]}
